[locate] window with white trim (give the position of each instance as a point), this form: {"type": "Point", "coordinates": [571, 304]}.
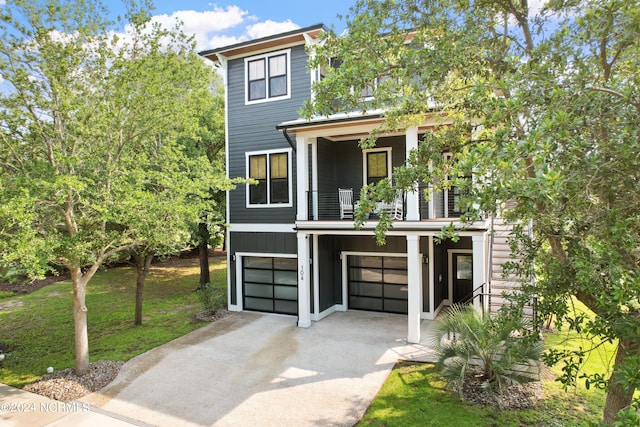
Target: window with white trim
{"type": "Point", "coordinates": [268, 77]}
{"type": "Point", "coordinates": [452, 196]}
{"type": "Point", "coordinates": [272, 172]}
{"type": "Point", "coordinates": [376, 165]}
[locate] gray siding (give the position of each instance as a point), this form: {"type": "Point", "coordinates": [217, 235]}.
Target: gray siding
{"type": "Point", "coordinates": [252, 128]}
{"type": "Point", "coordinates": [340, 166]}
{"type": "Point", "coordinates": [279, 243]}
{"type": "Point", "coordinates": [329, 248]}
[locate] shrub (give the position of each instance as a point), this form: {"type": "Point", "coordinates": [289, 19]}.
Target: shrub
{"type": "Point", "coordinates": [212, 297]}
{"type": "Point", "coordinates": [490, 347]}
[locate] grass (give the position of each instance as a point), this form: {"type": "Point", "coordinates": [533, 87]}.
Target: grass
{"type": "Point", "coordinates": [36, 330]}
{"type": "Point", "coordinates": [416, 394]}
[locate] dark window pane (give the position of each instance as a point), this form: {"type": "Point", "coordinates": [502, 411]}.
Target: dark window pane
{"type": "Point", "coordinates": [258, 193]}
{"type": "Point", "coordinates": [285, 264]}
{"type": "Point", "coordinates": [257, 90]}
{"type": "Point", "coordinates": [258, 304]}
{"type": "Point", "coordinates": [258, 262]}
{"type": "Point", "coordinates": [258, 290]}
{"type": "Point", "coordinates": [260, 276]}
{"type": "Point", "coordinates": [279, 191]}
{"type": "Point", "coordinates": [366, 261]}
{"type": "Point", "coordinates": [278, 86]}
{"type": "Point", "coordinates": [287, 307]}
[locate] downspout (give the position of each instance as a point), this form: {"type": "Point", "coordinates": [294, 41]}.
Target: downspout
{"type": "Point", "coordinates": [288, 138]}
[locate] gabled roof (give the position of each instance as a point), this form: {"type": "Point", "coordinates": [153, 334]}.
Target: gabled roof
{"type": "Point", "coordinates": [246, 48]}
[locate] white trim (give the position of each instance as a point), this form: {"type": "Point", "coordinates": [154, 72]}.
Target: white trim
{"type": "Point", "coordinates": [432, 276]}
{"type": "Point", "coordinates": [325, 313]}
{"type": "Point", "coordinates": [239, 256]}
{"type": "Point", "coordinates": [224, 65]}
{"type": "Point", "coordinates": [239, 276]}
{"type": "Point", "coordinates": [450, 253]}
{"type": "Point", "coordinates": [316, 278]}
{"type": "Point", "coordinates": [304, 276]}
{"type": "Point", "coordinates": [265, 56]}
{"type": "Point", "coordinates": [412, 212]}
{"type": "Point", "coordinates": [261, 228]}
{"type": "Point", "coordinates": [376, 150]}
{"type": "Point", "coordinates": [302, 179]}
{"type": "Point", "coordinates": [314, 175]}
{"type": "Point", "coordinates": [400, 228]}
{"type": "Point", "coordinates": [265, 255]}
{"type": "Point", "coordinates": [268, 153]}
{"type": "Point", "coordinates": [414, 288]}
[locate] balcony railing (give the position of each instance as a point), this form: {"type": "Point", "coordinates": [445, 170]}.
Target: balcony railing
{"type": "Point", "coordinates": [325, 206]}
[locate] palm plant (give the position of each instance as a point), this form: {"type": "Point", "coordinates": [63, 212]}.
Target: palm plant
{"type": "Point", "coordinates": [490, 348]}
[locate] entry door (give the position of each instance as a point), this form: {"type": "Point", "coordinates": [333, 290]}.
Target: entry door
{"type": "Point", "coordinates": [462, 280]}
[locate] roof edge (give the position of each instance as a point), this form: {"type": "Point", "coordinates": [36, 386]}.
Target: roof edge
{"type": "Point", "coordinates": [222, 49]}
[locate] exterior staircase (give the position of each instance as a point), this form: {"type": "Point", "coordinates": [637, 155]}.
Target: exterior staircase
{"type": "Point", "coordinates": [500, 253]}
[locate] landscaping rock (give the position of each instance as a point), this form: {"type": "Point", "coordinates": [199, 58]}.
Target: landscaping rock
{"type": "Point", "coordinates": [65, 385]}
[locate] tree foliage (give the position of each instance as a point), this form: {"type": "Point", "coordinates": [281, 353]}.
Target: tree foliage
{"type": "Point", "coordinates": [541, 105]}
{"type": "Point", "coordinates": [90, 120]}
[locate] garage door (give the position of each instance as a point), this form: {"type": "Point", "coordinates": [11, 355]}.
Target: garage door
{"type": "Point", "coordinates": [378, 283]}
{"type": "Point", "coordinates": [270, 284]}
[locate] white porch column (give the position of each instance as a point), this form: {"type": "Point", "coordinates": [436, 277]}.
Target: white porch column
{"type": "Point", "coordinates": [302, 178]}
{"type": "Point", "coordinates": [413, 204]}
{"type": "Point", "coordinates": [414, 268]}
{"type": "Point", "coordinates": [304, 281]}
{"type": "Point", "coordinates": [432, 278]}
{"type": "Point", "coordinates": [479, 269]}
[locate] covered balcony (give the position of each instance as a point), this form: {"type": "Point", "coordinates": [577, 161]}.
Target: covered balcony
{"type": "Point", "coordinates": [328, 150]}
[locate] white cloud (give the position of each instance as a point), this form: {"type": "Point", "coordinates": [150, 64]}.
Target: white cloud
{"type": "Point", "coordinates": [218, 41]}
{"type": "Point", "coordinates": [268, 27]}
{"type": "Point", "coordinates": [203, 24]}
{"type": "Point", "coordinates": [217, 27]}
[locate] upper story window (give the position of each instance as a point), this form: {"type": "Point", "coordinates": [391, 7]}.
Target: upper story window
{"type": "Point", "coordinates": [272, 171]}
{"type": "Point", "coordinates": [453, 196]}
{"type": "Point", "coordinates": [268, 77]}
{"type": "Point", "coordinates": [377, 165]}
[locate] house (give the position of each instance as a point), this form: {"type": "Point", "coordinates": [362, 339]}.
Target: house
{"type": "Point", "coordinates": [292, 248]}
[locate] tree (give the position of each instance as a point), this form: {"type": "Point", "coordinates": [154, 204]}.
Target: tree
{"type": "Point", "coordinates": [89, 163]}
{"type": "Point", "coordinates": [211, 140]}
{"type": "Point", "coordinates": [542, 107]}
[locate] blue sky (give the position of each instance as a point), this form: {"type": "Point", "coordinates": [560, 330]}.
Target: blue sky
{"type": "Point", "coordinates": [222, 23]}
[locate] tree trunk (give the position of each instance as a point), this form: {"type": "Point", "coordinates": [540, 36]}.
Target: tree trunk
{"type": "Point", "coordinates": [80, 321]}
{"type": "Point", "coordinates": [203, 254]}
{"type": "Point", "coordinates": [617, 397]}
{"type": "Point", "coordinates": [143, 263]}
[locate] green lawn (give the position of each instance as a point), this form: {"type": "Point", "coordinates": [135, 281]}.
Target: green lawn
{"type": "Point", "coordinates": [415, 394]}
{"type": "Point", "coordinates": [36, 330]}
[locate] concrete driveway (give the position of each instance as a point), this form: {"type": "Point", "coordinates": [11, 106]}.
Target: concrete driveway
{"type": "Point", "coordinates": [255, 369]}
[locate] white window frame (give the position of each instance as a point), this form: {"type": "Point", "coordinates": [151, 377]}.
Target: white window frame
{"type": "Point", "coordinates": [266, 56]}
{"type": "Point", "coordinates": [364, 162]}
{"type": "Point", "coordinates": [289, 179]}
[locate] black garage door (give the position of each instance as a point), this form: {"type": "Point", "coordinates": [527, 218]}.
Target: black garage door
{"type": "Point", "coordinates": [270, 284]}
{"type": "Point", "coordinates": [378, 283]}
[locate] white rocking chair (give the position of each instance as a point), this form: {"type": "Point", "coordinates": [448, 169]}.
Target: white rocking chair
{"type": "Point", "coordinates": [396, 209]}
{"type": "Point", "coordinates": [345, 195]}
